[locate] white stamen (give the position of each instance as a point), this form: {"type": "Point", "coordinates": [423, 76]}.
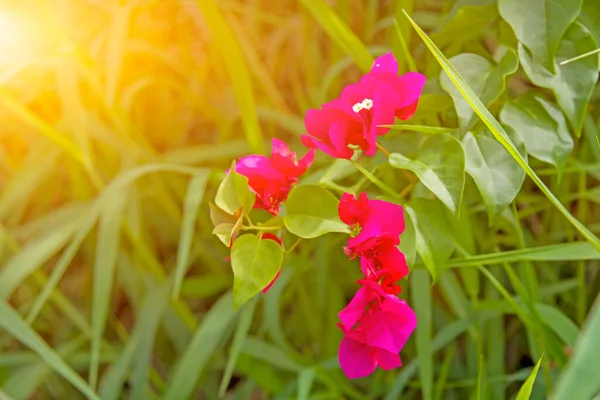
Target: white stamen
{"type": "Point", "coordinates": [366, 104]}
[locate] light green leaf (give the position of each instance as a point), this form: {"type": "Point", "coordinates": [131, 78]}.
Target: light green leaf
{"type": "Point", "coordinates": [440, 164]}
{"type": "Point", "coordinates": [226, 231]}
{"type": "Point", "coordinates": [572, 83]}
{"type": "Point", "coordinates": [539, 24]}
{"type": "Point", "coordinates": [312, 211]}
{"type": "Point", "coordinates": [525, 391]}
{"type": "Point", "coordinates": [496, 174]}
{"type": "Point", "coordinates": [193, 199]}
{"type": "Point", "coordinates": [234, 193]}
{"type": "Point", "coordinates": [214, 330]}
{"type": "Point", "coordinates": [486, 80]}
{"type": "Point", "coordinates": [433, 240]}
{"type": "Point", "coordinates": [12, 323]}
{"type": "Point", "coordinates": [255, 263]}
{"type": "Point", "coordinates": [542, 127]}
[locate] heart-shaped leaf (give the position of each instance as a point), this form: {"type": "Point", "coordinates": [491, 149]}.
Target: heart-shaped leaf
{"type": "Point", "coordinates": [312, 211]}
{"type": "Point", "coordinates": [486, 80]}
{"type": "Point", "coordinates": [227, 231]}
{"type": "Point", "coordinates": [590, 17]}
{"type": "Point", "coordinates": [496, 174]}
{"type": "Point", "coordinates": [572, 83]}
{"type": "Point", "coordinates": [255, 263]}
{"type": "Point", "coordinates": [542, 126]}
{"type": "Point", "coordinates": [539, 24]}
{"type": "Point", "coordinates": [440, 165]}
{"type": "Point", "coordinates": [234, 193]}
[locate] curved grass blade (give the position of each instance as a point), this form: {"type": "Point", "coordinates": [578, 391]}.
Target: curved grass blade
{"type": "Point", "coordinates": [193, 198]}
{"type": "Point", "coordinates": [12, 323]}
{"type": "Point", "coordinates": [499, 133]}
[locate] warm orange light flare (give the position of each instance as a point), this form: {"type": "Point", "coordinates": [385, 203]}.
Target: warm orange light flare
{"type": "Point", "coordinates": [16, 38]}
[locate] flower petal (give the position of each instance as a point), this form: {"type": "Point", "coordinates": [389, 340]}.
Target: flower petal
{"type": "Point", "coordinates": [385, 63]}
{"type": "Point", "coordinates": [356, 358]}
{"type": "Point", "coordinates": [354, 311]}
{"type": "Point", "coordinates": [387, 360]}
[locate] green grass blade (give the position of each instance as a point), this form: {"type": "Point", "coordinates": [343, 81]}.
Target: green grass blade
{"type": "Point", "coordinates": [339, 32]}
{"type": "Point", "coordinates": [12, 323]}
{"type": "Point", "coordinates": [580, 377]}
{"type": "Point", "coordinates": [204, 343]}
{"type": "Point", "coordinates": [579, 57]}
{"type": "Point", "coordinates": [193, 199]}
{"type": "Point", "coordinates": [421, 301]}
{"type": "Point", "coordinates": [237, 69]}
{"type": "Point", "coordinates": [499, 133]}
{"type": "Point", "coordinates": [525, 391]}
{"type": "Point", "coordinates": [107, 250]}
{"type": "Point", "coordinates": [241, 332]}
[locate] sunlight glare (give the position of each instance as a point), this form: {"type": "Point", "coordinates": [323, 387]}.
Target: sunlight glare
{"type": "Point", "coordinates": [16, 39]}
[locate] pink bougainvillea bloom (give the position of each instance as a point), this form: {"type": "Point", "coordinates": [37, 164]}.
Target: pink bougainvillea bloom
{"type": "Point", "coordinates": [376, 326]}
{"type": "Point", "coordinates": [353, 120]}
{"type": "Point", "coordinates": [272, 178]}
{"type": "Point", "coordinates": [271, 236]}
{"type": "Point", "coordinates": [379, 225]}
{"type": "Point", "coordinates": [358, 359]}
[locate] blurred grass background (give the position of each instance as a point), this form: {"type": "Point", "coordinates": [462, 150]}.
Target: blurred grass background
{"type": "Point", "coordinates": [112, 109]}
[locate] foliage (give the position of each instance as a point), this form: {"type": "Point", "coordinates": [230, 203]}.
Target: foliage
{"type": "Point", "coordinates": [120, 119]}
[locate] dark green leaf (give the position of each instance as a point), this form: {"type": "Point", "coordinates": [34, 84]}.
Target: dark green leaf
{"type": "Point", "coordinates": [312, 211]}
{"type": "Point", "coordinates": [255, 263]}
{"type": "Point", "coordinates": [440, 164]}
{"type": "Point", "coordinates": [539, 24]}
{"type": "Point", "coordinates": [542, 127]}
{"type": "Point", "coordinates": [496, 174]}
{"type": "Point", "coordinates": [590, 17]}
{"type": "Point", "coordinates": [465, 25]}
{"type": "Point", "coordinates": [572, 83]}
{"type": "Point", "coordinates": [486, 80]}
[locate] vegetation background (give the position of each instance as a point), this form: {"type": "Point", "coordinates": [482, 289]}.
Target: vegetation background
{"type": "Point", "coordinates": [118, 121]}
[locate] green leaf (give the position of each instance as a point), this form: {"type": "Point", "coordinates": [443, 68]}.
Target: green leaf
{"type": "Point", "coordinates": [572, 83]}
{"type": "Point", "coordinates": [255, 263]}
{"type": "Point", "coordinates": [234, 193]}
{"type": "Point", "coordinates": [485, 79]}
{"type": "Point", "coordinates": [206, 339]}
{"type": "Point", "coordinates": [590, 17]}
{"type": "Point", "coordinates": [525, 391]}
{"type": "Point", "coordinates": [339, 32]}
{"type": "Point", "coordinates": [193, 199]}
{"type": "Point", "coordinates": [440, 164]}
{"type": "Point", "coordinates": [312, 211]}
{"type": "Point", "coordinates": [542, 127]}
{"type": "Point", "coordinates": [579, 379]}
{"type": "Point", "coordinates": [226, 231]}
{"type": "Point", "coordinates": [12, 323]}
{"type": "Point", "coordinates": [496, 174]}
{"type": "Point", "coordinates": [539, 24]}
{"type": "Point", "coordinates": [501, 135]}
{"type": "Point", "coordinates": [433, 240]}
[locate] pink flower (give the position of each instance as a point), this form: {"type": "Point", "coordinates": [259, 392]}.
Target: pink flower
{"type": "Point", "coordinates": [272, 178]}
{"type": "Point", "coordinates": [352, 121]}
{"type": "Point", "coordinates": [376, 326]}
{"type": "Point", "coordinates": [378, 225]}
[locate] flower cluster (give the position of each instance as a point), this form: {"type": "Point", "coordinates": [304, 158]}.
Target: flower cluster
{"type": "Point", "coordinates": [376, 323]}
{"type": "Point", "coordinates": [355, 119]}
{"type": "Point", "coordinates": [272, 178]}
